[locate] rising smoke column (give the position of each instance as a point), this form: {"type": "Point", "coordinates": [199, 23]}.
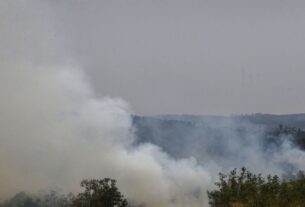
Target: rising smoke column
{"type": "Point", "coordinates": [56, 132]}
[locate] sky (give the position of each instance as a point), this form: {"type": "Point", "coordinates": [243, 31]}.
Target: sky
{"type": "Point", "coordinates": [178, 57]}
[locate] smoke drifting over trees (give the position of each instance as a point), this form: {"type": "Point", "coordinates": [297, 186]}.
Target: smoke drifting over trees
{"type": "Point", "coordinates": [55, 131]}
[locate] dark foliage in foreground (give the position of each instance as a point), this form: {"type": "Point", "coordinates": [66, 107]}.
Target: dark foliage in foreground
{"type": "Point", "coordinates": [97, 193]}
{"type": "Point", "coordinates": [237, 189]}
{"type": "Point", "coordinates": [249, 190]}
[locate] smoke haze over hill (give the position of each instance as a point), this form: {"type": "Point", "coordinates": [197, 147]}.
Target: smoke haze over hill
{"type": "Point", "coordinates": [55, 130]}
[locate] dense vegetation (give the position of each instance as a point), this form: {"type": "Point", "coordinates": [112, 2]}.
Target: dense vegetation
{"type": "Point", "coordinates": [103, 193]}
{"type": "Point", "coordinates": [236, 189]}
{"type": "Point", "coordinates": [250, 190]}
{"type": "Point", "coordinates": [97, 193]}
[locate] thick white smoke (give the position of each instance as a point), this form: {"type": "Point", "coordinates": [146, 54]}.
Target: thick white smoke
{"type": "Point", "coordinates": [55, 131]}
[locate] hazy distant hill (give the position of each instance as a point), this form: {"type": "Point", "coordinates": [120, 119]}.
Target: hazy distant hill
{"type": "Point", "coordinates": [189, 135]}
{"type": "Point", "coordinates": [269, 120]}
{"type": "Point", "coordinates": [290, 120]}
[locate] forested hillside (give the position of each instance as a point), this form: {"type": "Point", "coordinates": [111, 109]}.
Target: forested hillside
{"type": "Point", "coordinates": [196, 136]}
{"type": "Point", "coordinates": [263, 143]}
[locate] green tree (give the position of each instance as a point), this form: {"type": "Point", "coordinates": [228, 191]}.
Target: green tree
{"type": "Point", "coordinates": [249, 190]}
{"type": "Point", "coordinates": [99, 193]}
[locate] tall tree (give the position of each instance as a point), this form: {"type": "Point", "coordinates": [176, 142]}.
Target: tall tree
{"type": "Point", "coordinates": [99, 193]}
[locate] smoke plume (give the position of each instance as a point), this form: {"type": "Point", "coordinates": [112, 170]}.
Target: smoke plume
{"type": "Point", "coordinates": [56, 132]}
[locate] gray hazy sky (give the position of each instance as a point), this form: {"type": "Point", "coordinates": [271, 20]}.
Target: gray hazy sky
{"type": "Point", "coordinates": [196, 57]}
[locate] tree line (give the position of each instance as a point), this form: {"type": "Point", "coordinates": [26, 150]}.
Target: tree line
{"type": "Point", "coordinates": [238, 188]}
{"type": "Point", "coordinates": [96, 193]}
{"type": "Point", "coordinates": [245, 189]}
